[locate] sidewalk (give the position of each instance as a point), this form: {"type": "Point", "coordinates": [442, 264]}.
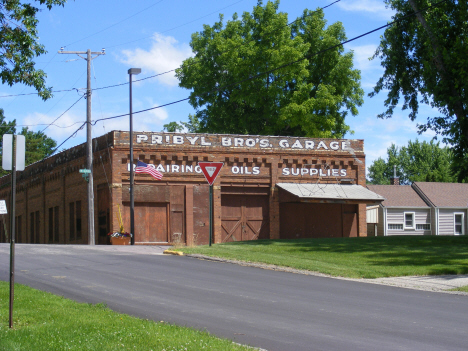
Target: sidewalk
{"type": "Point", "coordinates": [440, 283]}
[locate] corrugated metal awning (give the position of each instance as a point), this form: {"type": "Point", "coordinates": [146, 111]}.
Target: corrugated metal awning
{"type": "Point", "coordinates": [333, 192]}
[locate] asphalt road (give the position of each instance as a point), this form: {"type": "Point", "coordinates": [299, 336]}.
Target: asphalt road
{"type": "Point", "coordinates": [268, 309]}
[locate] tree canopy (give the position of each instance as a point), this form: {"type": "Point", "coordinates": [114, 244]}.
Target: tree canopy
{"type": "Point", "coordinates": [38, 145]}
{"type": "Point", "coordinates": [417, 162]}
{"type": "Point", "coordinates": [258, 75]}
{"type": "Point", "coordinates": [19, 44]}
{"type": "Point", "coordinates": [425, 57]}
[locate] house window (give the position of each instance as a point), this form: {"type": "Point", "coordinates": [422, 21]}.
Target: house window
{"type": "Point", "coordinates": [423, 226]}
{"type": "Point", "coordinates": [458, 223]}
{"type": "Point", "coordinates": [409, 220]}
{"type": "Point", "coordinates": [393, 226]}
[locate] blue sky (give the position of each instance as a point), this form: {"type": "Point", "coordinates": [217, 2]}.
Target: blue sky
{"type": "Point", "coordinates": [154, 35]}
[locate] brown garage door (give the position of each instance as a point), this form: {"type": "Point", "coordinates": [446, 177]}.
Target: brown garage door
{"type": "Point", "coordinates": [244, 217]}
{"type": "Point", "coordinates": [151, 220]}
{"type": "Point", "coordinates": [305, 220]}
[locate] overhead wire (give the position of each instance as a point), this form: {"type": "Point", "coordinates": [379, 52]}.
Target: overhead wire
{"type": "Point", "coordinates": [172, 70]}
{"type": "Point", "coordinates": [104, 127]}
{"type": "Point", "coordinates": [168, 30]}
{"type": "Point", "coordinates": [284, 65]}
{"type": "Point", "coordinates": [113, 25]}
{"type": "Point", "coordinates": [266, 72]}
{"type": "Point", "coordinates": [68, 109]}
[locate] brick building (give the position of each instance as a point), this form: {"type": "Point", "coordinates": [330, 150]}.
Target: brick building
{"type": "Point", "coordinates": [269, 187]}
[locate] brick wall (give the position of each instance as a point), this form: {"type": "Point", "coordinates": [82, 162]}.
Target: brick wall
{"type": "Point", "coordinates": [56, 182]}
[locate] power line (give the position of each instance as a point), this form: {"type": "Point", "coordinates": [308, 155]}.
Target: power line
{"type": "Point", "coordinates": [168, 30]}
{"type": "Point", "coordinates": [41, 124]}
{"type": "Point", "coordinates": [172, 70]}
{"type": "Point", "coordinates": [68, 109]}
{"type": "Point", "coordinates": [282, 66]}
{"type": "Point", "coordinates": [259, 74]}
{"type": "Point", "coordinates": [71, 136]}
{"type": "Point", "coordinates": [113, 25]}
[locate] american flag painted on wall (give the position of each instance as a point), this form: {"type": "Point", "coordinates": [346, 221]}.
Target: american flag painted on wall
{"type": "Point", "coordinates": [142, 167]}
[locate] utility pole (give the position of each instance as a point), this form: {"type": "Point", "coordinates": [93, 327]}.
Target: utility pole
{"type": "Point", "coordinates": [89, 139]}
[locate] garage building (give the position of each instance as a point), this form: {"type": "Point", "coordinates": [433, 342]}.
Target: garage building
{"type": "Point", "coordinates": [269, 188]}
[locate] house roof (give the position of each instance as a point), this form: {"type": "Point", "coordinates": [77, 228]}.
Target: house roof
{"type": "Point", "coordinates": [398, 195]}
{"type": "Point", "coordinates": [330, 191]}
{"type": "Point", "coordinates": [444, 194]}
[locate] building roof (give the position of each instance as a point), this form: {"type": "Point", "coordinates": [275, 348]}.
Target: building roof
{"type": "Point", "coordinates": [330, 191]}
{"type": "Point", "coordinates": [398, 195]}
{"type": "Point", "coordinates": [444, 194]}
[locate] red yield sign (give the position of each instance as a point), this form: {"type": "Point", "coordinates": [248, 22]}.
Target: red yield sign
{"type": "Point", "coordinates": [211, 170]}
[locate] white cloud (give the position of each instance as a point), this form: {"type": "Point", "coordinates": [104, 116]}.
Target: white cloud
{"type": "Point", "coordinates": [372, 7]}
{"type": "Point", "coordinates": [165, 54]}
{"type": "Point", "coordinates": [371, 70]}
{"type": "Point", "coordinates": [362, 55]}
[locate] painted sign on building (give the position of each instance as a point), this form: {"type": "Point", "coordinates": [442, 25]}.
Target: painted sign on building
{"type": "Point", "coordinates": [260, 142]}
{"type": "Point", "coordinates": [245, 170]}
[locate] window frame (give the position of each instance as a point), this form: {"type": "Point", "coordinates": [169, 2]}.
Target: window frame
{"type": "Point", "coordinates": [462, 214]}
{"type": "Point", "coordinates": [423, 224]}
{"type": "Point", "coordinates": [389, 224]}
{"type": "Point", "coordinates": [413, 224]}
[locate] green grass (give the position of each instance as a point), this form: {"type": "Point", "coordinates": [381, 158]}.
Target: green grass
{"type": "Point", "coordinates": [461, 288]}
{"type": "Point", "coordinates": [370, 257]}
{"type": "Point", "coordinates": [43, 321]}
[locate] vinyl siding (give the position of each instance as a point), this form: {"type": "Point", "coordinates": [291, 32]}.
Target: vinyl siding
{"type": "Point", "coordinates": [446, 221]}
{"type": "Point", "coordinates": [396, 216]}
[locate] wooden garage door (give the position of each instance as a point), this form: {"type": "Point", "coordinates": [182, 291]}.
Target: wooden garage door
{"type": "Point", "coordinates": [151, 219]}
{"type": "Point", "coordinates": [244, 217]}
{"type": "Point", "coordinates": [304, 220]}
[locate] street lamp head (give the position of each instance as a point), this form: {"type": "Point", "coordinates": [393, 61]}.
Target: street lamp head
{"type": "Point", "coordinates": [134, 71]}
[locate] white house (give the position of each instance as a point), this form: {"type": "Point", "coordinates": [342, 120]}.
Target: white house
{"type": "Point", "coordinates": [403, 212]}
{"type": "Point", "coordinates": [449, 206]}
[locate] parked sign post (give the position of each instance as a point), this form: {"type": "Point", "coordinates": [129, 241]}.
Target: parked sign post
{"type": "Point", "coordinates": [211, 171]}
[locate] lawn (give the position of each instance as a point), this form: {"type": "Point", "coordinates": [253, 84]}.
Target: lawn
{"type": "Point", "coordinates": [371, 257]}
{"type": "Point", "coordinates": [44, 321]}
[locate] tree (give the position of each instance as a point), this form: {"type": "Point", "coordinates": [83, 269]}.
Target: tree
{"type": "Point", "coordinates": [19, 44]}
{"type": "Point", "coordinates": [417, 162]}
{"type": "Point", "coordinates": [173, 127]}
{"type": "Point", "coordinates": [425, 59]}
{"type": "Point", "coordinates": [258, 75]}
{"type": "Point", "coordinates": [38, 145]}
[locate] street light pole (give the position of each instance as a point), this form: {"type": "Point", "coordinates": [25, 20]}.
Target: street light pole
{"type": "Point", "coordinates": [132, 71]}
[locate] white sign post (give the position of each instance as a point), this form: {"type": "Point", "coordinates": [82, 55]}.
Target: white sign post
{"type": "Point", "coordinates": [13, 158]}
